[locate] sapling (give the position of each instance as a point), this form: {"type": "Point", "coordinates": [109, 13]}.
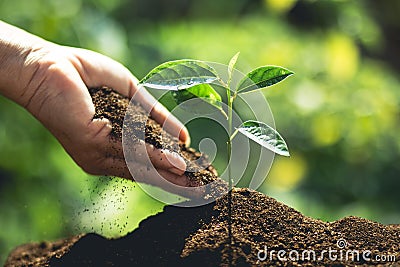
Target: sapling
{"type": "Point", "coordinates": [189, 79]}
{"type": "Point", "coordinates": [193, 79]}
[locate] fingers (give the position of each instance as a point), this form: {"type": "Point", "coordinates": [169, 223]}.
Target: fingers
{"type": "Point", "coordinates": [176, 184]}
{"type": "Point", "coordinates": [160, 114]}
{"type": "Point", "coordinates": [138, 150]}
{"type": "Point", "coordinates": [98, 70]}
{"type": "Point", "coordinates": [170, 123]}
{"type": "Point", "coordinates": [147, 164]}
{"type": "Point", "coordinates": [147, 154]}
{"type": "Point", "coordinates": [101, 128]}
{"type": "Point", "coordinates": [166, 160]}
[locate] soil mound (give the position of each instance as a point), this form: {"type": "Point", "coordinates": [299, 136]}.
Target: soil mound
{"type": "Point", "coordinates": [199, 237]}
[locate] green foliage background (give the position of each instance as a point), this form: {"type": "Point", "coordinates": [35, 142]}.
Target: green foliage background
{"type": "Point", "coordinates": [339, 114]}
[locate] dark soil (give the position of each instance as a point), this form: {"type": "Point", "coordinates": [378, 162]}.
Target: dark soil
{"type": "Point", "coordinates": [198, 236]}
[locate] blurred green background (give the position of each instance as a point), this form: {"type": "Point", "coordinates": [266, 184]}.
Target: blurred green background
{"type": "Point", "coordinates": [339, 113]}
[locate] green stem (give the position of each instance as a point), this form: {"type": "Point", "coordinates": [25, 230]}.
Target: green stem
{"type": "Point", "coordinates": [229, 140]}
{"type": "Point", "coordinates": [230, 183]}
{"type": "Point", "coordinates": [234, 134]}
{"type": "Point", "coordinates": [229, 143]}
{"type": "Point", "coordinates": [230, 100]}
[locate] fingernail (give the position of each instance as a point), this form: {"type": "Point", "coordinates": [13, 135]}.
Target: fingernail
{"type": "Point", "coordinates": [176, 160]}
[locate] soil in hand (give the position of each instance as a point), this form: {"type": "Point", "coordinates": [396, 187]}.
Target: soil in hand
{"type": "Point", "coordinates": [113, 106]}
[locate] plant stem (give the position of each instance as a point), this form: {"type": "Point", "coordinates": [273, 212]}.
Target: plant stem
{"type": "Point", "coordinates": [229, 146]}
{"type": "Point", "coordinates": [230, 100]}
{"type": "Point", "coordinates": [230, 238]}
{"type": "Point", "coordinates": [229, 142]}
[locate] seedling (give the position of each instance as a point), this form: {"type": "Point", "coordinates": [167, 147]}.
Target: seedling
{"type": "Point", "coordinates": [194, 79]}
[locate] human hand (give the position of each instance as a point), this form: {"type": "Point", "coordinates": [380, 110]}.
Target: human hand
{"type": "Point", "coordinates": [52, 85]}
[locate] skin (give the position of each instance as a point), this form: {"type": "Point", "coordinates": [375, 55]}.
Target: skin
{"type": "Point", "coordinates": [50, 81]}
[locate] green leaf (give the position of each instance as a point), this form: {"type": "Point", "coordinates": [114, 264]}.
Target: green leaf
{"type": "Point", "coordinates": [264, 135]}
{"type": "Point", "coordinates": [231, 67]}
{"type": "Point", "coordinates": [201, 96]}
{"type": "Point", "coordinates": [262, 77]}
{"type": "Point", "coordinates": [179, 74]}
{"type": "Point", "coordinates": [232, 63]}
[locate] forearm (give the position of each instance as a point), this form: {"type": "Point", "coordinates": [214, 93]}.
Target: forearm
{"type": "Point", "coordinates": [16, 71]}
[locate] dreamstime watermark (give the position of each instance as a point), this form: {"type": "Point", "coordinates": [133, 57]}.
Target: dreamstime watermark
{"type": "Point", "coordinates": [339, 253]}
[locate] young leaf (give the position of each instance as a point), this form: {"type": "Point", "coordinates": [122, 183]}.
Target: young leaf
{"type": "Point", "coordinates": [262, 77]}
{"type": "Point", "coordinates": [179, 74]}
{"type": "Point", "coordinates": [232, 63]}
{"type": "Point", "coordinates": [264, 135]}
{"type": "Point", "coordinates": [201, 92]}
